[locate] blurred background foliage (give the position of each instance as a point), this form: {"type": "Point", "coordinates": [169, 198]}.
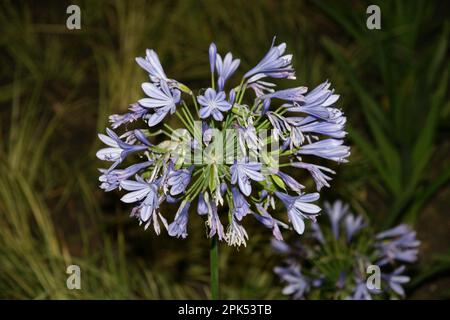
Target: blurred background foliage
{"type": "Point", "coordinates": [58, 86]}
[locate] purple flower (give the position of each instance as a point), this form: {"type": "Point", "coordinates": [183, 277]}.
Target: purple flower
{"type": "Point", "coordinates": [118, 150]}
{"type": "Point", "coordinates": [333, 129]}
{"type": "Point", "coordinates": [316, 232]}
{"type": "Point", "coordinates": [140, 189]}
{"type": "Point", "coordinates": [212, 56]}
{"type": "Point", "coordinates": [269, 222]}
{"type": "Point", "coordinates": [335, 212]}
{"type": "Point", "coordinates": [178, 228]}
{"type": "Point", "coordinates": [353, 225]}
{"type": "Point", "coordinates": [298, 208]}
{"type": "Point", "coordinates": [147, 194]}
{"type": "Point", "coordinates": [236, 234]}
{"type": "Point", "coordinates": [242, 172]}
{"type": "Point", "coordinates": [279, 124]}
{"type": "Point", "coordinates": [297, 284]}
{"type": "Point", "coordinates": [331, 149]}
{"type": "Point", "coordinates": [202, 207]}
{"type": "Point", "coordinates": [162, 100]}
{"type": "Point", "coordinates": [240, 205]}
{"type": "Point", "coordinates": [179, 179]}
{"type": "Point", "coordinates": [232, 96]}
{"type": "Point", "coordinates": [213, 104]}
{"type": "Point", "coordinates": [216, 227]}
{"type": "Point", "coordinates": [274, 65]}
{"type": "Point", "coordinates": [352, 277]}
{"type": "Point", "coordinates": [395, 280]}
{"type": "Point", "coordinates": [318, 103]}
{"type": "Point", "coordinates": [225, 68]}
{"type": "Point", "coordinates": [152, 65]}
{"type": "Point", "coordinates": [293, 184]}
{"type": "Point", "coordinates": [399, 243]}
{"type": "Point", "coordinates": [361, 291]}
{"type": "Point", "coordinates": [317, 172]}
{"type": "Point", "coordinates": [110, 179]}
{"type": "Point", "coordinates": [262, 88]}
{"type": "Point", "coordinates": [137, 112]}
{"type": "Point", "coordinates": [248, 138]}
{"type": "Point", "coordinates": [291, 94]}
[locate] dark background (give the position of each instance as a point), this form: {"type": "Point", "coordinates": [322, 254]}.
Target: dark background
{"type": "Point", "coordinates": [57, 87]}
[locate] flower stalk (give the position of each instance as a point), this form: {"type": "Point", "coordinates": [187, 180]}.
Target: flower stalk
{"type": "Point", "coordinates": [214, 267]}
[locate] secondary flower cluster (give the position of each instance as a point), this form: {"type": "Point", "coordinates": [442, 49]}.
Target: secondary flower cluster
{"type": "Point", "coordinates": [345, 260]}
{"type": "Point", "coordinates": [302, 125]}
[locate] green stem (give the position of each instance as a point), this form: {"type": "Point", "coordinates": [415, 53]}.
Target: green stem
{"type": "Point", "coordinates": [214, 267]}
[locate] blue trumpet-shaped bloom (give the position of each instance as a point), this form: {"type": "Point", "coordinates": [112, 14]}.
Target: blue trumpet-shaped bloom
{"type": "Point", "coordinates": [243, 172]}
{"type": "Point", "coordinates": [299, 208]}
{"type": "Point", "coordinates": [274, 65]}
{"type": "Point", "coordinates": [213, 104]}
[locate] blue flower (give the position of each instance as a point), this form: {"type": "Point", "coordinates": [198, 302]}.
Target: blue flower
{"type": "Point", "coordinates": [162, 100]}
{"type": "Point", "coordinates": [240, 205]}
{"type": "Point", "coordinates": [202, 207]}
{"type": "Point", "coordinates": [248, 138]}
{"type": "Point", "coordinates": [225, 68]}
{"type": "Point", "coordinates": [318, 103]}
{"type": "Point", "coordinates": [335, 212]}
{"type": "Point", "coordinates": [395, 280]}
{"type": "Point", "coordinates": [361, 291]}
{"type": "Point", "coordinates": [274, 65]}
{"type": "Point", "coordinates": [292, 94]}
{"type": "Point", "coordinates": [146, 194]}
{"type": "Point", "coordinates": [178, 228]}
{"type": "Point", "coordinates": [213, 104]}
{"type": "Point", "coordinates": [215, 226]}
{"type": "Point", "coordinates": [269, 222]}
{"type": "Point", "coordinates": [243, 172]}
{"type": "Point", "coordinates": [317, 173]}
{"type": "Point", "coordinates": [358, 252]}
{"type": "Point", "coordinates": [212, 56]}
{"type": "Point", "coordinates": [118, 150]}
{"type": "Point", "coordinates": [299, 208]}
{"type": "Point", "coordinates": [353, 225]}
{"type": "Point", "coordinates": [297, 284]}
{"type": "Point", "coordinates": [152, 65]}
{"type": "Point", "coordinates": [110, 179]}
{"type": "Point", "coordinates": [399, 244]}
{"type": "Point", "coordinates": [262, 87]}
{"type": "Point", "coordinates": [316, 232]}
{"type": "Point", "coordinates": [334, 129]}
{"type": "Point", "coordinates": [293, 184]}
{"type": "Point", "coordinates": [179, 179]}
{"type": "Point", "coordinates": [331, 149]}
{"type": "Point", "coordinates": [280, 126]}
{"type": "Point", "coordinates": [137, 112]}
{"type": "Point", "coordinates": [140, 190]}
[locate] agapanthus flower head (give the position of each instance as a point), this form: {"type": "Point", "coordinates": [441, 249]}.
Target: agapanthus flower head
{"type": "Point", "coordinates": [223, 148]}
{"type": "Point", "coordinates": [335, 260]}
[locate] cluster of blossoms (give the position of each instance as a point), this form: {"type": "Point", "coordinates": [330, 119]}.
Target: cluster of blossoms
{"type": "Point", "coordinates": [270, 130]}
{"type": "Point", "coordinates": [345, 260]}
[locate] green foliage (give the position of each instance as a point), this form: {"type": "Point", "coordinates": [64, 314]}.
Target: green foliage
{"type": "Point", "coordinates": [402, 108]}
